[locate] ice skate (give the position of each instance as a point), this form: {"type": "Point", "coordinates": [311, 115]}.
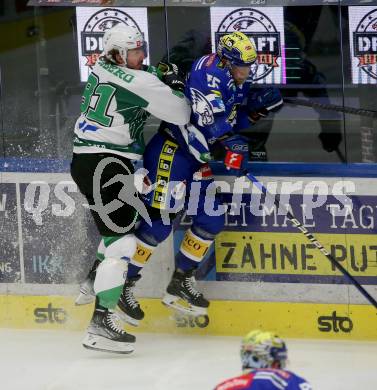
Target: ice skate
{"type": "Point", "coordinates": [128, 308]}
{"type": "Point", "coordinates": [182, 296]}
{"type": "Point", "coordinates": [105, 334]}
{"type": "Point", "coordinates": [87, 294]}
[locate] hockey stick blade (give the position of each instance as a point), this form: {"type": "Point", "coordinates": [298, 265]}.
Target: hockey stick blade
{"type": "Point", "coordinates": [331, 107]}
{"type": "Point", "coordinates": [296, 223]}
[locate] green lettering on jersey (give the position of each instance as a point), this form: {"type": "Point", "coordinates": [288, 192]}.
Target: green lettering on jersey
{"type": "Point", "coordinates": [128, 77]}
{"type": "Point", "coordinates": [116, 71]}
{"type": "Point", "coordinates": [104, 93]}
{"type": "Point", "coordinates": [88, 92]}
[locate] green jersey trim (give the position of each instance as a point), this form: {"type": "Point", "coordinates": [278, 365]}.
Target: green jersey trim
{"type": "Point", "coordinates": [132, 148]}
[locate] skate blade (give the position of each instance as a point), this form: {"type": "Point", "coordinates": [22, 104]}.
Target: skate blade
{"type": "Point", "coordinates": [126, 318]}
{"type": "Point", "coordinates": [182, 306]}
{"type": "Point", "coordinates": [84, 299]}
{"type": "Point", "coordinates": [102, 344]}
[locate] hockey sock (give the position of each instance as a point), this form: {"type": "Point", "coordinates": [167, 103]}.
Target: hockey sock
{"type": "Point", "coordinates": [133, 271]}
{"type": "Point", "coordinates": [192, 251]}
{"type": "Point", "coordinates": [101, 250]}
{"type": "Point", "coordinates": [112, 271]}
{"type": "Point", "coordinates": [98, 305]}
{"type": "Point", "coordinates": [143, 253]}
{"type": "Point", "coordinates": [100, 256]}
{"type": "Point", "coordinates": [109, 281]}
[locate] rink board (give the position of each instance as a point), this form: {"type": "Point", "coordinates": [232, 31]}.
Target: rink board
{"type": "Point", "coordinates": [259, 273]}
{"type": "Point", "coordinates": [233, 318]}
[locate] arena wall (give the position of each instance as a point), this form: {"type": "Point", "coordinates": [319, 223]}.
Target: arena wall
{"type": "Point", "coordinates": [261, 272]}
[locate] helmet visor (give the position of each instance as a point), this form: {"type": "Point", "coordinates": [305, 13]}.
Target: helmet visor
{"type": "Point", "coordinates": [250, 361]}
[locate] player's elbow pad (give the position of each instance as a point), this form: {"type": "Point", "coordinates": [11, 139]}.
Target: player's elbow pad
{"type": "Point", "coordinates": [180, 115]}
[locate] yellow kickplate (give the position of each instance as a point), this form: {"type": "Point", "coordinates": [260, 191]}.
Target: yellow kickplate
{"type": "Point", "coordinates": [300, 320]}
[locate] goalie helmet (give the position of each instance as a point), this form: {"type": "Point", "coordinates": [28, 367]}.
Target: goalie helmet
{"type": "Point", "coordinates": [122, 38]}
{"type": "Point", "coordinates": [237, 49]}
{"type": "Point", "coordinates": [263, 350]}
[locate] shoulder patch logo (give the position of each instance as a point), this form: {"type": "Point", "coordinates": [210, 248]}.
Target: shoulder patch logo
{"type": "Point", "coordinates": [201, 107]}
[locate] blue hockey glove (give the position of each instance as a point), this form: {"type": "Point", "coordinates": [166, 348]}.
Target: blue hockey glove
{"type": "Point", "coordinates": [233, 151]}
{"type": "Point", "coordinates": [260, 102]}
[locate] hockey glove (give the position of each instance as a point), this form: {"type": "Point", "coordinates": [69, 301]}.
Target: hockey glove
{"type": "Point", "coordinates": [167, 68]}
{"type": "Point", "coordinates": [171, 77]}
{"type": "Point", "coordinates": [261, 102]}
{"type": "Point", "coordinates": [233, 151]}
{"type": "Point", "coordinates": [330, 141]}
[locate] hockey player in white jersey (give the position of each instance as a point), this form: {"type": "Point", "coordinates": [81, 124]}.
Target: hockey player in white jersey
{"type": "Point", "coordinates": [118, 98]}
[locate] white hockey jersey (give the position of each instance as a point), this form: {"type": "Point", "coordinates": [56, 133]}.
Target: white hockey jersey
{"type": "Point", "coordinates": [115, 106]}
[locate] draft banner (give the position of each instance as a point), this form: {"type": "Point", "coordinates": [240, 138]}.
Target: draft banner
{"type": "Point", "coordinates": [363, 44]}
{"type": "Point", "coordinates": [93, 22]}
{"type": "Point", "coordinates": [264, 26]}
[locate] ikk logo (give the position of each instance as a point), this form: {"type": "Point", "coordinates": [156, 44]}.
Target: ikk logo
{"type": "Point", "coordinates": [335, 323]}
{"type": "Point", "coordinates": [95, 27]}
{"type": "Point", "coordinates": [365, 43]}
{"type": "Point", "coordinates": [50, 314]}
{"type": "Point", "coordinates": [261, 30]}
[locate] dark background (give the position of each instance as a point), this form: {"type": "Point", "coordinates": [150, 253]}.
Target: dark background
{"type": "Point", "coordinates": [41, 90]}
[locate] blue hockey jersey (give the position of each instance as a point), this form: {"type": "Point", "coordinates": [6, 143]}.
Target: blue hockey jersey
{"type": "Point", "coordinates": [265, 379]}
{"type": "Point", "coordinates": [217, 106]}
{"type": "Point", "coordinates": [215, 99]}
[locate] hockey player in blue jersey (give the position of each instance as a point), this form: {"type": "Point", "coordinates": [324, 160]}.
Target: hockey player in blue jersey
{"type": "Point", "coordinates": [177, 162]}
{"type": "Point", "coordinates": [264, 356]}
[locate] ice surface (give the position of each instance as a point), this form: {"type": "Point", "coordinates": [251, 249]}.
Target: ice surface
{"type": "Point", "coordinates": [55, 360]}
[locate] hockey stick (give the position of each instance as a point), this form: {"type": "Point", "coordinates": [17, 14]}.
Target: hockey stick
{"type": "Point", "coordinates": [340, 155]}
{"type": "Point", "coordinates": [296, 223]}
{"type": "Point", "coordinates": [331, 107]}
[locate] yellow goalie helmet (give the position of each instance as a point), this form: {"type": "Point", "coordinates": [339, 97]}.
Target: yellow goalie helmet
{"type": "Point", "coordinates": [263, 350]}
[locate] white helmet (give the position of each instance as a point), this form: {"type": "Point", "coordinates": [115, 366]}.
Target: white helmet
{"type": "Point", "coordinates": [121, 38]}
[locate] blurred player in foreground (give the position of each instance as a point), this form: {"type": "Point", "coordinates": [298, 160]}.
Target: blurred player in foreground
{"type": "Point", "coordinates": [264, 357]}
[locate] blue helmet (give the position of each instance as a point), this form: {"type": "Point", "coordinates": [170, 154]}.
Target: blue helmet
{"type": "Point", "coordinates": [237, 48]}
